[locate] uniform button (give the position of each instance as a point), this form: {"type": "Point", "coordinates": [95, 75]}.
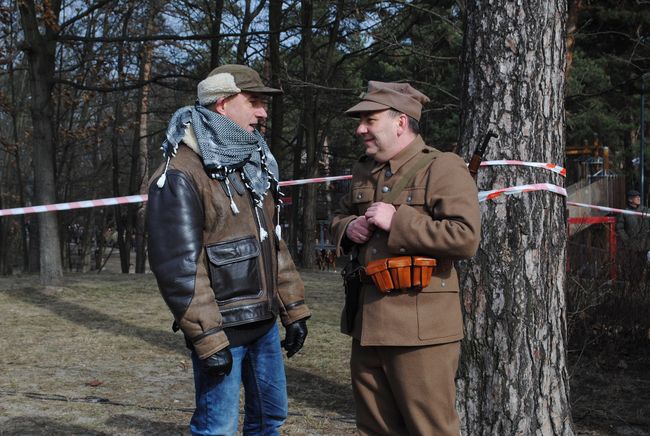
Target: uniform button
{"type": "Point", "coordinates": [402, 250]}
{"type": "Point", "coordinates": [374, 251]}
{"type": "Point", "coordinates": [385, 189]}
{"type": "Point", "coordinates": [409, 199]}
{"type": "Point", "coordinates": [359, 195]}
{"type": "Point", "coordinates": [388, 173]}
{"type": "Point", "coordinates": [442, 283]}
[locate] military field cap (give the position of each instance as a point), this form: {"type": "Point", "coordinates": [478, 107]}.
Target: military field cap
{"type": "Point", "coordinates": [633, 193]}
{"type": "Point", "coordinates": [384, 95]}
{"type": "Point", "coordinates": [231, 79]}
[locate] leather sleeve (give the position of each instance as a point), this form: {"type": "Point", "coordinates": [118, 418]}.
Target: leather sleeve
{"type": "Point", "coordinates": [452, 227]}
{"type": "Point", "coordinates": [291, 289]}
{"type": "Point", "coordinates": [175, 223]}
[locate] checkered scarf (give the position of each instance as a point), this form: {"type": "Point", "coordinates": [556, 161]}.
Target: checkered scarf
{"type": "Point", "coordinates": [226, 148]}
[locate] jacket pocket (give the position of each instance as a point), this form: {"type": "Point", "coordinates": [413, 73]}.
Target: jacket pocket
{"type": "Point", "coordinates": [438, 308]}
{"type": "Point", "coordinates": [362, 198]}
{"type": "Point", "coordinates": [411, 196]}
{"type": "Point", "coordinates": [234, 269]}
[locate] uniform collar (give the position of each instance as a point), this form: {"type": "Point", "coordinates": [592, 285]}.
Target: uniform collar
{"type": "Point", "coordinates": [405, 155]}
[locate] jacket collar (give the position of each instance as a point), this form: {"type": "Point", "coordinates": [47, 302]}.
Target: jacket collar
{"type": "Point", "coordinates": [190, 139]}
{"type": "Point", "coordinates": [405, 155]}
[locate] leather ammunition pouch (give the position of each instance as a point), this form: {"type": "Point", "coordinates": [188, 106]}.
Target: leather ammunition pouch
{"type": "Point", "coordinates": [404, 273]}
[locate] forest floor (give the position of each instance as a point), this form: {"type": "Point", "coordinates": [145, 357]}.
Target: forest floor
{"type": "Point", "coordinates": [97, 357]}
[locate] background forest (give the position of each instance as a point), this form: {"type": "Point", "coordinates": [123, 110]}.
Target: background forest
{"type": "Point", "coordinates": [87, 89]}
{"type": "Point", "coordinates": [108, 75]}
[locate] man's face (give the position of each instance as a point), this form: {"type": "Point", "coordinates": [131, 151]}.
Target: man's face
{"type": "Point", "coordinates": [246, 109]}
{"type": "Point", "coordinates": [378, 130]}
{"type": "Point", "coordinates": [634, 201]}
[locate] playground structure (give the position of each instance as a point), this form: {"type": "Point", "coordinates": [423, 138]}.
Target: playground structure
{"type": "Point", "coordinates": [592, 244]}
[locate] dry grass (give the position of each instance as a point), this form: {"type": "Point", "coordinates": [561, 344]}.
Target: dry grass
{"type": "Point", "coordinates": [97, 356]}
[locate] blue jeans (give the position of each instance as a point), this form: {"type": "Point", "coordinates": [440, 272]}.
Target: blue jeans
{"type": "Point", "coordinates": [260, 367]}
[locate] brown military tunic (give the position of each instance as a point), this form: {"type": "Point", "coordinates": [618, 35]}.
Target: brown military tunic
{"type": "Point", "coordinates": [437, 216]}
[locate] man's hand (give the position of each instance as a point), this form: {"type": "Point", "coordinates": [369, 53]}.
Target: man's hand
{"type": "Point", "coordinates": [381, 215]}
{"type": "Point", "coordinates": [295, 337]}
{"type": "Point", "coordinates": [359, 230]}
{"type": "Point", "coordinates": [220, 363]}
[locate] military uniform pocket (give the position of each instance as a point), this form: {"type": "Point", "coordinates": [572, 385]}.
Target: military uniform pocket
{"type": "Point", "coordinates": [362, 198]}
{"type": "Point", "coordinates": [234, 269]}
{"type": "Point", "coordinates": [438, 308]}
{"type": "Point", "coordinates": [415, 197]}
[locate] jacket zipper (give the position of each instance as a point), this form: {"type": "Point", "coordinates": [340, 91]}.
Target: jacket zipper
{"type": "Point", "coordinates": [260, 219]}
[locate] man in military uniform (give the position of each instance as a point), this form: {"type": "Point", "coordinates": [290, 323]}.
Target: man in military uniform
{"type": "Point", "coordinates": [405, 346]}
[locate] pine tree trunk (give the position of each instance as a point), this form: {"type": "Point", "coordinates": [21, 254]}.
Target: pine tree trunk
{"type": "Point", "coordinates": [513, 377]}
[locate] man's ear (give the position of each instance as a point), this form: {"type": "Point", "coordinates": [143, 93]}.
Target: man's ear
{"type": "Point", "coordinates": [402, 124]}
{"type": "Point", "coordinates": [220, 106]}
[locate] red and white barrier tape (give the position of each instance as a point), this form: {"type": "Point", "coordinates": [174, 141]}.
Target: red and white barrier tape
{"type": "Point", "coordinates": [491, 195]}
{"type": "Point", "coordinates": [316, 180]}
{"type": "Point", "coordinates": [547, 166]}
{"type": "Point", "coordinates": [609, 209]}
{"type": "Point", "coordinates": [74, 205]}
{"type": "Point", "coordinates": [133, 199]}
{"type": "Point", "coordinates": [483, 195]}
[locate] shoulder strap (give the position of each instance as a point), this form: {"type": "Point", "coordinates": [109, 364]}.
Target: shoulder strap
{"type": "Point", "coordinates": [410, 175]}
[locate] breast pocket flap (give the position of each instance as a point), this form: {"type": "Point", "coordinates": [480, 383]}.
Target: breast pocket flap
{"type": "Point", "coordinates": [229, 252]}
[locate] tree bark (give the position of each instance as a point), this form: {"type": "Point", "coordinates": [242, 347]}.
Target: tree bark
{"type": "Point", "coordinates": [309, 129]}
{"type": "Point", "coordinates": [40, 50]}
{"type": "Point", "coordinates": [513, 378]}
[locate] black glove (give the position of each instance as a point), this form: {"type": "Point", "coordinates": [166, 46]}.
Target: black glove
{"type": "Point", "coordinates": [295, 337]}
{"type": "Point", "coordinates": [220, 363]}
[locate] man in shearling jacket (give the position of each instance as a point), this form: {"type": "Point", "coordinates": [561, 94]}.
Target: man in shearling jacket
{"type": "Point", "coordinates": [217, 254]}
{"type": "Point", "coordinates": [405, 345]}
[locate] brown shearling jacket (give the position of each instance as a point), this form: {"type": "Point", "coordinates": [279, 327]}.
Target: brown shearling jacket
{"type": "Point", "coordinates": [213, 268]}
{"type": "Point", "coordinates": [437, 216]}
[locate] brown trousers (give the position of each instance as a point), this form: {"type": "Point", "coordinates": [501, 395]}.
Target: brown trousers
{"type": "Point", "coordinates": [405, 390]}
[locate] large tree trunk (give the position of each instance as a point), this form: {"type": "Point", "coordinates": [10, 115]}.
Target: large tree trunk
{"type": "Point", "coordinates": [40, 50]}
{"type": "Point", "coordinates": [513, 378]}
{"type": "Point", "coordinates": [277, 107]}
{"type": "Point", "coordinates": [142, 168]}
{"type": "Point", "coordinates": [118, 111]}
{"type": "Point", "coordinates": [309, 129]}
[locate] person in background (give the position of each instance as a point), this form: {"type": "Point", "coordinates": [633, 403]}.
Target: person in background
{"type": "Point", "coordinates": [633, 232]}
{"type": "Point", "coordinates": [406, 342]}
{"type": "Point", "coordinates": [218, 257]}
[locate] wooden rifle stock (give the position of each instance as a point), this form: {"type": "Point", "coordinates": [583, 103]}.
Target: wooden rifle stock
{"type": "Point", "coordinates": [475, 163]}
